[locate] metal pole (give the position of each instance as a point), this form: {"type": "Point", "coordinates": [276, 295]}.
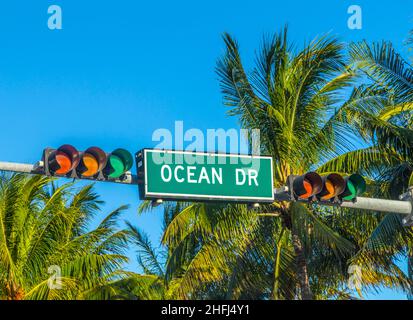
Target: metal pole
{"type": "Point", "coordinates": [37, 168]}
{"type": "Point", "coordinates": [17, 167]}
{"type": "Point", "coordinates": [382, 205]}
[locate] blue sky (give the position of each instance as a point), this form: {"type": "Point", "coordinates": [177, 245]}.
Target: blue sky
{"type": "Point", "coordinates": [118, 70]}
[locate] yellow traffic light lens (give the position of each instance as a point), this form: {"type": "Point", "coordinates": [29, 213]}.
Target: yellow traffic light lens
{"type": "Point", "coordinates": [334, 185]}
{"type": "Point", "coordinates": [93, 161]}
{"type": "Point", "coordinates": [91, 164]}
{"type": "Point", "coordinates": [330, 190]}
{"type": "Point", "coordinates": [64, 162]}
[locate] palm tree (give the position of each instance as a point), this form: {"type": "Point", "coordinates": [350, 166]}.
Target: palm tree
{"type": "Point", "coordinates": [46, 248]}
{"type": "Point", "coordinates": [388, 70]}
{"type": "Point", "coordinates": [150, 285]}
{"type": "Point", "coordinates": [314, 113]}
{"type": "Point", "coordinates": [154, 282]}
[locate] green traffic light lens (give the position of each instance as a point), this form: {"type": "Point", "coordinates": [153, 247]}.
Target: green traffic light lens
{"type": "Point", "coordinates": [118, 167]}
{"type": "Point", "coordinates": [359, 183]}
{"type": "Point", "coordinates": [356, 186]}
{"type": "Point", "coordinates": [120, 161]}
{"type": "Point", "coordinates": [352, 190]}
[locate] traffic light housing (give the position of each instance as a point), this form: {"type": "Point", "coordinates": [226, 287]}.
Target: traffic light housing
{"type": "Point", "coordinates": [331, 187]}
{"type": "Point", "coordinates": [93, 163]}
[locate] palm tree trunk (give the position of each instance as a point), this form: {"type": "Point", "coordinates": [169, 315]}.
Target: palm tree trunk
{"type": "Point", "coordinates": [232, 283]}
{"type": "Point", "coordinates": [302, 271]}
{"type": "Point", "coordinates": [275, 289]}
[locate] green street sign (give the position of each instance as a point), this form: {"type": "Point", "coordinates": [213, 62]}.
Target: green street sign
{"type": "Point", "coordinates": [183, 175]}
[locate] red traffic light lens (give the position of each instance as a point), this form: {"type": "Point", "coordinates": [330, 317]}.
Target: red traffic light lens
{"type": "Point", "coordinates": [307, 185]}
{"type": "Point", "coordinates": [308, 189]}
{"type": "Point", "coordinates": [65, 159]}
{"type": "Point", "coordinates": [64, 162]}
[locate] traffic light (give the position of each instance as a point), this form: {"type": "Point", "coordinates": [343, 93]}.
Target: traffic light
{"type": "Point", "coordinates": [325, 188]}
{"type": "Point", "coordinates": [93, 163]}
